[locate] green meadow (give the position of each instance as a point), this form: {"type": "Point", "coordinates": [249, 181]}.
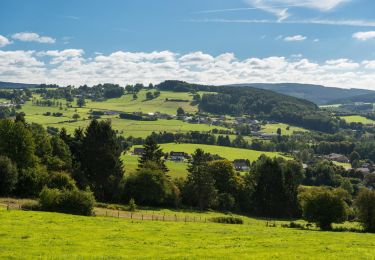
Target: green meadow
{"type": "Point", "coordinates": [178, 169]}
{"type": "Point", "coordinates": [357, 119]}
{"type": "Point", "coordinates": [272, 129]}
{"type": "Point", "coordinates": [41, 235]}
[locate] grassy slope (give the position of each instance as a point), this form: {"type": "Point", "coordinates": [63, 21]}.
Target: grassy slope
{"type": "Point", "coordinates": [51, 235]}
{"type": "Point", "coordinates": [125, 104]}
{"type": "Point", "coordinates": [358, 119]}
{"type": "Point", "coordinates": [178, 169]}
{"type": "Point", "coordinates": [272, 128]}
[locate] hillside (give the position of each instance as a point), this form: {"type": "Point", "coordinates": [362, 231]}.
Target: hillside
{"type": "Point", "coordinates": [51, 235]}
{"type": "Point", "coordinates": [315, 93]}
{"type": "Point", "coordinates": [366, 98]}
{"type": "Point", "coordinates": [12, 85]}
{"type": "Point", "coordinates": [260, 103]}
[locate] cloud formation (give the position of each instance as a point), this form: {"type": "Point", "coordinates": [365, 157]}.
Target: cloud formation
{"type": "Point", "coordinates": [295, 38]}
{"type": "Point", "coordinates": [71, 66]}
{"type": "Point", "coordinates": [280, 7]}
{"type": "Point", "coordinates": [4, 41]}
{"type": "Point", "coordinates": [364, 36]}
{"type": "Point", "coordinates": [32, 37]}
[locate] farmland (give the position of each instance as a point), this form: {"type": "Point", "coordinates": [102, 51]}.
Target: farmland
{"type": "Point", "coordinates": [285, 129]}
{"type": "Point", "coordinates": [178, 169]}
{"type": "Point", "coordinates": [51, 235]}
{"type": "Point", "coordinates": [358, 119]}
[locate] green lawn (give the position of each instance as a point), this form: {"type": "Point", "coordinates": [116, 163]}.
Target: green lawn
{"type": "Point", "coordinates": [178, 169]}
{"type": "Point", "coordinates": [357, 119]}
{"type": "Point", "coordinates": [40, 235]}
{"type": "Point", "coordinates": [272, 129]}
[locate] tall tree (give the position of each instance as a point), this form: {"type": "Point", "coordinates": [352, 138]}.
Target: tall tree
{"type": "Point", "coordinates": [200, 185]}
{"type": "Point", "coordinates": [100, 159]}
{"type": "Point", "coordinates": [152, 153]}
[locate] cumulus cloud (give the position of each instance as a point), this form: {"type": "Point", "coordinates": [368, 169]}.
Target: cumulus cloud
{"type": "Point", "coordinates": [295, 38]}
{"type": "Point", "coordinates": [32, 37]}
{"type": "Point", "coordinates": [364, 36]}
{"type": "Point", "coordinates": [4, 41]}
{"type": "Point", "coordinates": [72, 66]}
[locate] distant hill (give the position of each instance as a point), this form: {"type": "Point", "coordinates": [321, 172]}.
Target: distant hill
{"type": "Point", "coordinates": [261, 103]}
{"type": "Point", "coordinates": [318, 94]}
{"type": "Point", "coordinates": [12, 85]}
{"type": "Point", "coordinates": [367, 98]}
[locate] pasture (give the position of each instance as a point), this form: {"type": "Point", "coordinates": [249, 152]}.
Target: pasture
{"type": "Point", "coordinates": [178, 169]}
{"type": "Point", "coordinates": [26, 234]}
{"type": "Point", "coordinates": [285, 129]}
{"type": "Point", "coordinates": [357, 119]}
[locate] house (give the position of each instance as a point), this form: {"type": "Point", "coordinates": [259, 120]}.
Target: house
{"type": "Point", "coordinates": [363, 170]}
{"type": "Point", "coordinates": [241, 165]}
{"type": "Point", "coordinates": [138, 151]}
{"type": "Point", "coordinates": [177, 156]}
{"type": "Point", "coordinates": [338, 158]}
{"type": "Point", "coordinates": [268, 136]}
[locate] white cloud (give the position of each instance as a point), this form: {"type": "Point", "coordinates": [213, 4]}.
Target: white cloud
{"type": "Point", "coordinates": [71, 66]}
{"type": "Point", "coordinates": [280, 7]}
{"type": "Point", "coordinates": [364, 36]}
{"type": "Point", "coordinates": [295, 38]}
{"type": "Point", "coordinates": [4, 41]}
{"type": "Point", "coordinates": [32, 37]}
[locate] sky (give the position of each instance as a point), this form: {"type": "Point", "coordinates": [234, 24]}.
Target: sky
{"type": "Point", "coordinates": [75, 42]}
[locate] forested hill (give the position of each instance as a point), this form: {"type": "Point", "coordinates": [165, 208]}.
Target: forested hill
{"type": "Point", "coordinates": [264, 104]}
{"type": "Point", "coordinates": [12, 85]}
{"type": "Point", "coordinates": [316, 93]}
{"type": "Point", "coordinates": [367, 98]}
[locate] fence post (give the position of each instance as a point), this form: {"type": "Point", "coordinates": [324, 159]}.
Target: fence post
{"type": "Point", "coordinates": [118, 214]}
{"type": "Point", "coordinates": [142, 216]}
{"type": "Point", "coordinates": [106, 213]}
{"type": "Point", "coordinates": [131, 215]}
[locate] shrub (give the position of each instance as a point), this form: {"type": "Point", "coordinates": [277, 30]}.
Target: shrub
{"type": "Point", "coordinates": [67, 201]}
{"type": "Point", "coordinates": [227, 220]}
{"type": "Point", "coordinates": [132, 205]}
{"type": "Point", "coordinates": [32, 205]}
{"type": "Point", "coordinates": [31, 181]}
{"type": "Point", "coordinates": [61, 180]}
{"type": "Point", "coordinates": [365, 204]}
{"type": "Point", "coordinates": [8, 175]}
{"type": "Point", "coordinates": [226, 201]}
{"type": "Point", "coordinates": [323, 207]}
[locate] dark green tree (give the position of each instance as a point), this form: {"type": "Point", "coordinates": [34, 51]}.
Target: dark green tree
{"type": "Point", "coordinates": [200, 187]}
{"type": "Point", "coordinates": [180, 111]}
{"type": "Point", "coordinates": [8, 176]}
{"type": "Point", "coordinates": [100, 159]}
{"type": "Point", "coordinates": [365, 204]}
{"type": "Point", "coordinates": [81, 102]}
{"type": "Point", "coordinates": [152, 153]}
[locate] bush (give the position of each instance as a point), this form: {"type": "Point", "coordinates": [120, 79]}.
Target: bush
{"type": "Point", "coordinates": [31, 181]}
{"type": "Point", "coordinates": [149, 187]}
{"type": "Point", "coordinates": [323, 207]}
{"type": "Point", "coordinates": [227, 220]}
{"type": "Point", "coordinates": [61, 180]}
{"type": "Point", "coordinates": [365, 204]}
{"type": "Point", "coordinates": [32, 205]}
{"type": "Point", "coordinates": [67, 201]}
{"type": "Point", "coordinates": [8, 175]}
{"type": "Point", "coordinates": [226, 201]}
{"type": "Point", "coordinates": [132, 205]}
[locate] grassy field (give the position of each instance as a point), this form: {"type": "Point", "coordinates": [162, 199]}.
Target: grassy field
{"type": "Point", "coordinates": [272, 129]}
{"type": "Point", "coordinates": [358, 119]}
{"type": "Point", "coordinates": [178, 169]}
{"type": "Point", "coordinates": [25, 234]}
{"type": "Point", "coordinates": [124, 104]}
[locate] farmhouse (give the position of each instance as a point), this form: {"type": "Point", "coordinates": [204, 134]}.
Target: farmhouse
{"type": "Point", "coordinates": [177, 156]}
{"type": "Point", "coordinates": [138, 151]}
{"type": "Point", "coordinates": [338, 158]}
{"type": "Point", "coordinates": [241, 165]}
{"type": "Point", "coordinates": [268, 136]}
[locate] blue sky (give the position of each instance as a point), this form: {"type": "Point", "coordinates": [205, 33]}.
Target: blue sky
{"type": "Point", "coordinates": [195, 40]}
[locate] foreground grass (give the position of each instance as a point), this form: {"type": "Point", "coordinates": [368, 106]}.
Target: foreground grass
{"type": "Point", "coordinates": [51, 235]}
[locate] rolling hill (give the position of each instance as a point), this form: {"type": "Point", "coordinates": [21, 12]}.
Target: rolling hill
{"type": "Point", "coordinates": [13, 85]}
{"type": "Point", "coordinates": [315, 93]}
